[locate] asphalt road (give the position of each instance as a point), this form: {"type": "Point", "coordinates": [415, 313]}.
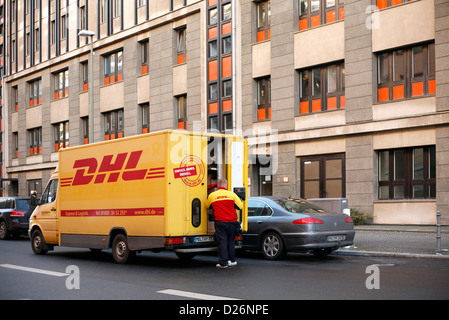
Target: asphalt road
{"type": "Point", "coordinates": [162, 276]}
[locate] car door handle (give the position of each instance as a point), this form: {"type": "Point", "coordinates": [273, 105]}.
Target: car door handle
{"type": "Point", "coordinates": [259, 222]}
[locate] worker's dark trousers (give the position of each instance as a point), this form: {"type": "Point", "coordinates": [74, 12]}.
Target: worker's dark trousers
{"type": "Point", "coordinates": [225, 236]}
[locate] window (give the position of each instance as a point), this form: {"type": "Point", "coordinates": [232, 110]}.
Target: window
{"type": "Point", "coordinates": [53, 32]}
{"type": "Point", "coordinates": [37, 40]}
{"type": "Point", "coordinates": [61, 135]}
{"type": "Point", "coordinates": [144, 56]}
{"type": "Point", "coordinates": [113, 125]}
{"type": "Point", "coordinates": [35, 92]}
{"type": "Point", "coordinates": [85, 69]}
{"type": "Point", "coordinates": [27, 44]}
{"type": "Point", "coordinates": [406, 73]}
{"type": "Point", "coordinates": [15, 137]}
{"type": "Point", "coordinates": [35, 140]}
{"type": "Point", "coordinates": [323, 176]}
{"type": "Point", "coordinates": [381, 4]}
{"type": "Point", "coordinates": [63, 27]}
{"type": "Point", "coordinates": [145, 117]}
{"type": "Point", "coordinates": [13, 51]}
{"type": "Point", "coordinates": [85, 126]}
{"type": "Point", "coordinates": [15, 96]}
{"type": "Point", "coordinates": [181, 109]}
{"type": "Point", "coordinates": [264, 99]}
{"type": "Point", "coordinates": [50, 192]}
{"type": "Point", "coordinates": [141, 3]}
{"type": "Point", "coordinates": [313, 13]}
{"type": "Point", "coordinates": [257, 208]}
{"type": "Point", "coordinates": [113, 68]}
{"type": "Point", "coordinates": [116, 8]}
{"type": "Point", "coordinates": [263, 21]}
{"type": "Point", "coordinates": [408, 173]}
{"type": "Point", "coordinates": [103, 11]}
{"type": "Point", "coordinates": [61, 83]}
{"type": "Point", "coordinates": [181, 45]}
{"type": "Point", "coordinates": [322, 88]}
{"type": "Point", "coordinates": [82, 21]}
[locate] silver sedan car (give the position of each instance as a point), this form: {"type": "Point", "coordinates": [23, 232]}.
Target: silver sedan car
{"type": "Point", "coordinates": [277, 225]}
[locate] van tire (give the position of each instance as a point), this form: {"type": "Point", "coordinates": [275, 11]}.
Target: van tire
{"type": "Point", "coordinates": [38, 243]}
{"type": "Point", "coordinates": [120, 249]}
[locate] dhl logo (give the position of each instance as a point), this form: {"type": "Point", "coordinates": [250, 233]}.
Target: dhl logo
{"type": "Point", "coordinates": [87, 170]}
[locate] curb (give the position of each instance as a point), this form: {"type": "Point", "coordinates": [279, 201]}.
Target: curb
{"type": "Point", "coordinates": [390, 254]}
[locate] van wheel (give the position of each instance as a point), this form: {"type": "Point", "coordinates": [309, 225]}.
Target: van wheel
{"type": "Point", "coordinates": [38, 243]}
{"type": "Point", "coordinates": [120, 249]}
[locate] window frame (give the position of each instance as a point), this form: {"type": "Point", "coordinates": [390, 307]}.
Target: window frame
{"type": "Point", "coordinates": [61, 84]}
{"type": "Point", "coordinates": [410, 87]}
{"type": "Point", "coordinates": [323, 15]}
{"type": "Point", "coordinates": [181, 112]}
{"type": "Point", "coordinates": [61, 135]}
{"type": "Point", "coordinates": [263, 31]}
{"type": "Point", "coordinates": [315, 97]}
{"type": "Point", "coordinates": [408, 182]}
{"type": "Point", "coordinates": [114, 125]}
{"type": "Point", "coordinates": [181, 45]}
{"type": "Point", "coordinates": [113, 70]}
{"type": "Point", "coordinates": [35, 92]}
{"type": "Point", "coordinates": [264, 103]}
{"type": "Point", "coordinates": [35, 141]}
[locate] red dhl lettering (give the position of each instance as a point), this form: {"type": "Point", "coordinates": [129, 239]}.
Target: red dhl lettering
{"type": "Point", "coordinates": [112, 169]}
{"type": "Point", "coordinates": [223, 197]}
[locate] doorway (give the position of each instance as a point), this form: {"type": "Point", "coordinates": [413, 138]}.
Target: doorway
{"type": "Point", "coordinates": [323, 176]}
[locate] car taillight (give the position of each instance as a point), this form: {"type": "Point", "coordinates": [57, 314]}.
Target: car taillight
{"type": "Point", "coordinates": [348, 220]}
{"type": "Point", "coordinates": [239, 237]}
{"type": "Point", "coordinates": [308, 221]}
{"type": "Point", "coordinates": [16, 213]}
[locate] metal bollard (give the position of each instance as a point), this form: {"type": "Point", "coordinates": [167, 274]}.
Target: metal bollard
{"type": "Point", "coordinates": [438, 231]}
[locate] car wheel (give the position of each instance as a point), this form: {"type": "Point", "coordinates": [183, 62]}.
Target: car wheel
{"type": "Point", "coordinates": [120, 249]}
{"type": "Point", "coordinates": [38, 243]}
{"type": "Point", "coordinates": [272, 246]}
{"type": "Point", "coordinates": [4, 234]}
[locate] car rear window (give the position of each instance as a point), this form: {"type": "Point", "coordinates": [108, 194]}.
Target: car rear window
{"type": "Point", "coordinates": [298, 206]}
{"type": "Point", "coordinates": [22, 204]}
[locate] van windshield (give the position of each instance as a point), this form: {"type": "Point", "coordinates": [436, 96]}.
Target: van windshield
{"type": "Point", "coordinates": [298, 206]}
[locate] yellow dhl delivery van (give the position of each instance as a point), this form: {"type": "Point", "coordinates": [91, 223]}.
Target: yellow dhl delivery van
{"type": "Point", "coordinates": [136, 193]}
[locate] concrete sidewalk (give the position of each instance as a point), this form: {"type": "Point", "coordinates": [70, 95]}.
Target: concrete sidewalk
{"type": "Point", "coordinates": [399, 241]}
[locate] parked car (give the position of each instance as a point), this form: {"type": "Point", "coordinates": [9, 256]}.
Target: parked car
{"type": "Point", "coordinates": [14, 215]}
{"type": "Point", "coordinates": [277, 225]}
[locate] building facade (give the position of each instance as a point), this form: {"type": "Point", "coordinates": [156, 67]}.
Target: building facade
{"type": "Point", "coordinates": [354, 95]}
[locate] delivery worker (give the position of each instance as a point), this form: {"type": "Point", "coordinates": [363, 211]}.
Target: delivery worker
{"type": "Point", "coordinates": [226, 224]}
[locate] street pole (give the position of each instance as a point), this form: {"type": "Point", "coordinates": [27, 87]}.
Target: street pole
{"type": "Point", "coordinates": [91, 91]}
{"type": "Point", "coordinates": [438, 231]}
{"type": "Point", "coordinates": [91, 34]}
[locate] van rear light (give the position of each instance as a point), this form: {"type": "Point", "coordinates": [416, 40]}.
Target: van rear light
{"type": "Point", "coordinates": [16, 213]}
{"type": "Point", "coordinates": [308, 221]}
{"type": "Point", "coordinates": [239, 237]}
{"type": "Point", "coordinates": [348, 220]}
{"type": "Point", "coordinates": [176, 240]}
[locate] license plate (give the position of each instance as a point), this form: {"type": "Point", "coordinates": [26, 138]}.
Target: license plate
{"type": "Point", "coordinates": [204, 239]}
{"type": "Point", "coordinates": [336, 238]}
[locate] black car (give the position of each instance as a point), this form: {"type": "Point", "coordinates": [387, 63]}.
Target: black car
{"type": "Point", "coordinates": [14, 215]}
{"type": "Point", "coordinates": [277, 225]}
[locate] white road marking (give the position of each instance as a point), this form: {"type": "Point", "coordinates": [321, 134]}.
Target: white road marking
{"type": "Point", "coordinates": [41, 271]}
{"type": "Point", "coordinates": [194, 295]}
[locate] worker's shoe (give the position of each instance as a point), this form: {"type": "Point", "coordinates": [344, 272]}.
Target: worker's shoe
{"type": "Point", "coordinates": [220, 266]}
{"type": "Point", "coordinates": [231, 264]}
